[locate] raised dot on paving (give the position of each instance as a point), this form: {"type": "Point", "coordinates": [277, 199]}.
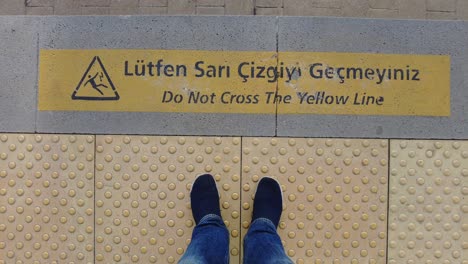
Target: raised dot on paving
{"type": "Point", "coordinates": [334, 195]}
{"type": "Point", "coordinates": [46, 198]}
{"type": "Point", "coordinates": [143, 187]}
{"type": "Point", "coordinates": [428, 212]}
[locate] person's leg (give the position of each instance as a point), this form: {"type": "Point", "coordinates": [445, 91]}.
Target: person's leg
{"type": "Point", "coordinates": [210, 242]}
{"type": "Point", "coordinates": [262, 243]}
{"type": "Point", "coordinates": [210, 237]}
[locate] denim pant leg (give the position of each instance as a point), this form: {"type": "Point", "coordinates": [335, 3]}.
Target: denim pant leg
{"type": "Point", "coordinates": [210, 242]}
{"type": "Point", "coordinates": [262, 244]}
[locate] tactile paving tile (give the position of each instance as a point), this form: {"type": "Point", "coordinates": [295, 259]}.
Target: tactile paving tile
{"type": "Point", "coordinates": [335, 195]}
{"type": "Point", "coordinates": [46, 198]}
{"type": "Point", "coordinates": [143, 187]}
{"type": "Point", "coordinates": [428, 216]}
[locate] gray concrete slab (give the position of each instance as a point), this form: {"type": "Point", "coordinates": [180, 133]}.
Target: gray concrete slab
{"type": "Point", "coordinates": [19, 46]}
{"type": "Point", "coordinates": [18, 74]}
{"type": "Point", "coordinates": [380, 36]}
{"type": "Point", "coordinates": [157, 123]}
{"type": "Point", "coordinates": [147, 32]}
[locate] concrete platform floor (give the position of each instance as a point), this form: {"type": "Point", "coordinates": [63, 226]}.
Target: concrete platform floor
{"type": "Point", "coordinates": [124, 199]}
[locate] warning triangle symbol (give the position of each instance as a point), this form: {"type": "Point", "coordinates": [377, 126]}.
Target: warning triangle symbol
{"type": "Point", "coordinates": [95, 85]}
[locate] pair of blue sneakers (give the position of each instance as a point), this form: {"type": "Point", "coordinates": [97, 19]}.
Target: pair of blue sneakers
{"type": "Point", "coordinates": [268, 201]}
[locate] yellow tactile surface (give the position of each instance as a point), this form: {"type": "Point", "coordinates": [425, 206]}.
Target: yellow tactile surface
{"type": "Point", "coordinates": [46, 198]}
{"type": "Point", "coordinates": [335, 195]}
{"type": "Point", "coordinates": [142, 194]}
{"type": "Point", "coordinates": [125, 199]}
{"type": "Point", "coordinates": [428, 217]}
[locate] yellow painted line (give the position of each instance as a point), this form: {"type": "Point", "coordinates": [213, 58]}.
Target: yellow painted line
{"type": "Point", "coordinates": [367, 84]}
{"type": "Point", "coordinates": [190, 81]}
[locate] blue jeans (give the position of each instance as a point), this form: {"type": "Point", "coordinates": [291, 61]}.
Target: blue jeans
{"type": "Point", "coordinates": [210, 243]}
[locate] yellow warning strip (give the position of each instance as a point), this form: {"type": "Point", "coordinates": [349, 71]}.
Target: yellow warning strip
{"type": "Point", "coordinates": [244, 82]}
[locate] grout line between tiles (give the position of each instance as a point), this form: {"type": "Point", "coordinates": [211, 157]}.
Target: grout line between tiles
{"type": "Point", "coordinates": [36, 111]}
{"type": "Point", "coordinates": [277, 80]}
{"type": "Point", "coordinates": [94, 202]}
{"type": "Point", "coordinates": [241, 251]}
{"type": "Point", "coordinates": [388, 198]}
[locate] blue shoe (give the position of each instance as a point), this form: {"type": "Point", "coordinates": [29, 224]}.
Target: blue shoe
{"type": "Point", "coordinates": [204, 197]}
{"type": "Point", "coordinates": [268, 201]}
